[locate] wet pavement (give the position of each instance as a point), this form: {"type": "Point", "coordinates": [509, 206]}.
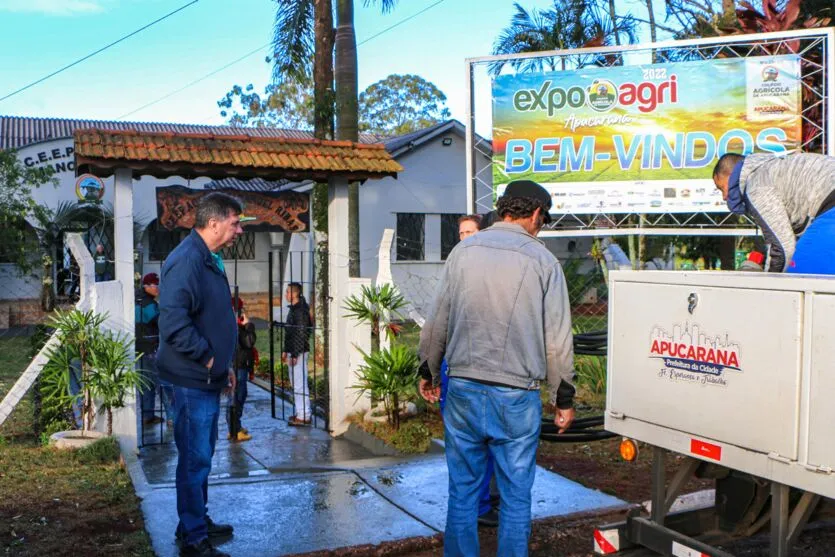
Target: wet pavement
{"type": "Point", "coordinates": [294, 490]}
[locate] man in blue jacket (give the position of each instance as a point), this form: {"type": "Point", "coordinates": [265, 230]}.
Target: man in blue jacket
{"type": "Point", "coordinates": [198, 335]}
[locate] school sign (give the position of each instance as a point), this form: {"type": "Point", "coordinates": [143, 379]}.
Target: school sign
{"type": "Point", "coordinates": [642, 139]}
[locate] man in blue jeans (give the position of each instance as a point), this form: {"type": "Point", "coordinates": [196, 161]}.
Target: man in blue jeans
{"type": "Point", "coordinates": [503, 334]}
{"type": "Point", "coordinates": [198, 334]}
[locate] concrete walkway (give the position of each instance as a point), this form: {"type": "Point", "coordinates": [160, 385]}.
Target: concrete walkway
{"type": "Point", "coordinates": [295, 490]}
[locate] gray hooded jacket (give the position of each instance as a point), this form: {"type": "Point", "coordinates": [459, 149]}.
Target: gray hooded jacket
{"type": "Point", "coordinates": [502, 314]}
{"type": "Point", "coordinates": [783, 195]}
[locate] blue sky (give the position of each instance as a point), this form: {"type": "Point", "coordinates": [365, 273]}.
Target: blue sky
{"type": "Point", "coordinates": [40, 36]}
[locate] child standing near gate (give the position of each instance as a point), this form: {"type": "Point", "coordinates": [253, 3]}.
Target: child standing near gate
{"type": "Point", "coordinates": [244, 366]}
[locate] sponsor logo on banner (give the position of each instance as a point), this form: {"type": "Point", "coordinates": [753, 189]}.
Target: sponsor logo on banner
{"type": "Point", "coordinates": [773, 89]}
{"type": "Point", "coordinates": [690, 355]}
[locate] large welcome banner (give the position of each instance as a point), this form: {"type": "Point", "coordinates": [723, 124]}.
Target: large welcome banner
{"type": "Point", "coordinates": [642, 139]}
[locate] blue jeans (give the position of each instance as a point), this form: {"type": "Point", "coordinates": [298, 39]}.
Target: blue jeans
{"type": "Point", "coordinates": [485, 499]}
{"type": "Point", "coordinates": [242, 377]}
{"type": "Point", "coordinates": [480, 420]}
{"type": "Point", "coordinates": [195, 432]}
{"type": "Point", "coordinates": [815, 250]}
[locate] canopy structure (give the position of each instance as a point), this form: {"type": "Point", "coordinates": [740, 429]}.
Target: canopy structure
{"type": "Point", "coordinates": [163, 154]}
{"type": "Point", "coordinates": [125, 153]}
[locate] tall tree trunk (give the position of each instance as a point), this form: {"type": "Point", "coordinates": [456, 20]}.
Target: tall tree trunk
{"type": "Point", "coordinates": [347, 117]}
{"type": "Point", "coordinates": [323, 96]}
{"type": "Point", "coordinates": [653, 30]}
{"type": "Point", "coordinates": [109, 421]}
{"type": "Point", "coordinates": [323, 99]}
{"type": "Point", "coordinates": [613, 15]}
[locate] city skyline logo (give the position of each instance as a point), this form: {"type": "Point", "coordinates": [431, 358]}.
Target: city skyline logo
{"type": "Point", "coordinates": [689, 351]}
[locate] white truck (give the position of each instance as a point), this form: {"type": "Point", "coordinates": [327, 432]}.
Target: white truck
{"type": "Point", "coordinates": [734, 371]}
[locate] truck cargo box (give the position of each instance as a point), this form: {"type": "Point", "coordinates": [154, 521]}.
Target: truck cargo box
{"type": "Point", "coordinates": [732, 368]}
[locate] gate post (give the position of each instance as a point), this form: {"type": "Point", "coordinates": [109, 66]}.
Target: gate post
{"type": "Point", "coordinates": [344, 335]}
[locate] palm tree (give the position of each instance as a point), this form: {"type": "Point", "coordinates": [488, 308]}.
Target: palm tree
{"type": "Point", "coordinates": [347, 112]}
{"type": "Point", "coordinates": [568, 24]}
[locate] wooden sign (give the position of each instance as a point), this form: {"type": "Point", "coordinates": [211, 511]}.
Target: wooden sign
{"type": "Point", "coordinates": [270, 211]}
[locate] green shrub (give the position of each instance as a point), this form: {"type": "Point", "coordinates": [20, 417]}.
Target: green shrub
{"type": "Point", "coordinates": [412, 437]}
{"type": "Point", "coordinates": [103, 451]}
{"type": "Point", "coordinates": [54, 427]}
{"type": "Point", "coordinates": [389, 375]}
{"type": "Point", "coordinates": [591, 373]}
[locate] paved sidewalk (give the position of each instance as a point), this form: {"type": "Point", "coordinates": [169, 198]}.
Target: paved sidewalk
{"type": "Point", "coordinates": [294, 490]}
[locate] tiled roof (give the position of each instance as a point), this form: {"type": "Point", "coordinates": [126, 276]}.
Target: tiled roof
{"type": "Point", "coordinates": [20, 131]}
{"type": "Point", "coordinates": [224, 155]}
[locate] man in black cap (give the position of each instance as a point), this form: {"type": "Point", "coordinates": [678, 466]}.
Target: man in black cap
{"type": "Point", "coordinates": [503, 321]}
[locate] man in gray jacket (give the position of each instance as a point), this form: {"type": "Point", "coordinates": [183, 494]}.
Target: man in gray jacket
{"type": "Point", "coordinates": [787, 195]}
{"type": "Point", "coordinates": [502, 320]}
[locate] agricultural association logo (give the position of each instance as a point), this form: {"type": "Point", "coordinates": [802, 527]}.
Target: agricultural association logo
{"type": "Point", "coordinates": [770, 73]}
{"type": "Point", "coordinates": [601, 95]}
{"type": "Point", "coordinates": [89, 188]}
{"type": "Point", "coordinates": [688, 354]}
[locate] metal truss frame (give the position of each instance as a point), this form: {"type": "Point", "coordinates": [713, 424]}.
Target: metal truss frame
{"type": "Point", "coordinates": [816, 48]}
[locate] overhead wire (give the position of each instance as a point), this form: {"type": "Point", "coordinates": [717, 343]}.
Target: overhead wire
{"type": "Point", "coordinates": [262, 47]}
{"type": "Point", "coordinates": [99, 51]}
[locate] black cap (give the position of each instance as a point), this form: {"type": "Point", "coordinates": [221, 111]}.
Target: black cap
{"type": "Point", "coordinates": [532, 190]}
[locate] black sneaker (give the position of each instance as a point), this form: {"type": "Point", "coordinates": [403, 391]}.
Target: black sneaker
{"type": "Point", "coordinates": [218, 530]}
{"type": "Point", "coordinates": [215, 530]}
{"type": "Point", "coordinates": [202, 549]}
{"type": "Point", "coordinates": [490, 518]}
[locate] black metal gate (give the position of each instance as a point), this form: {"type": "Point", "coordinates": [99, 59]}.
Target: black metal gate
{"type": "Point", "coordinates": [297, 373]}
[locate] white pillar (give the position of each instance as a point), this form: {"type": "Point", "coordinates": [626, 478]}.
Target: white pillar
{"type": "Point", "coordinates": [344, 334]}
{"type": "Point", "coordinates": [125, 421]}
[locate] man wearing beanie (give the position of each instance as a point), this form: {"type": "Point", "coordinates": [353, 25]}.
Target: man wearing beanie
{"type": "Point", "coordinates": [503, 334]}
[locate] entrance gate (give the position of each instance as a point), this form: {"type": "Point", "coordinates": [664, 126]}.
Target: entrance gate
{"type": "Point", "coordinates": [289, 395]}
{"type": "Point", "coordinates": [303, 384]}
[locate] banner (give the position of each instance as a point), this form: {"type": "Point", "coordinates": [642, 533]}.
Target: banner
{"type": "Point", "coordinates": [642, 139]}
{"type": "Point", "coordinates": [273, 212]}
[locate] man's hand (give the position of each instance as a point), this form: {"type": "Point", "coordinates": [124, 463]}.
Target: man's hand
{"type": "Point", "coordinates": [233, 383]}
{"type": "Point", "coordinates": [284, 357]}
{"type": "Point", "coordinates": [429, 392]}
{"type": "Point", "coordinates": [210, 363]}
{"type": "Point", "coordinates": [294, 360]}
{"type": "Point", "coordinates": [244, 319]}
{"type": "Point", "coordinates": [564, 419]}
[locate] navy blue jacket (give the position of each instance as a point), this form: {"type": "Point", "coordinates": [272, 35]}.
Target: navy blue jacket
{"type": "Point", "coordinates": [196, 321]}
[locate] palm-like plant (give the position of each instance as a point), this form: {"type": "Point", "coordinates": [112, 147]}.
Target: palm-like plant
{"type": "Point", "coordinates": [389, 375]}
{"type": "Point", "coordinates": [106, 361]}
{"type": "Point", "coordinates": [568, 24]}
{"type": "Point", "coordinates": [377, 305]}
{"type": "Point", "coordinates": [113, 362]}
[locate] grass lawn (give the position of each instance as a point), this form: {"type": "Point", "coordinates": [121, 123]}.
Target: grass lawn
{"type": "Point", "coordinates": [61, 503]}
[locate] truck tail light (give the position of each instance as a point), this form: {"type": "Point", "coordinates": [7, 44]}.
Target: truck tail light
{"type": "Point", "coordinates": [628, 449]}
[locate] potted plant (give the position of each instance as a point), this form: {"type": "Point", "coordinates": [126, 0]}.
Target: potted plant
{"type": "Point", "coordinates": [88, 364]}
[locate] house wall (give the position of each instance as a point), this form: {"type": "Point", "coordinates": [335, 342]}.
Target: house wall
{"type": "Point", "coordinates": [433, 182]}
{"type": "Point", "coordinates": [252, 275]}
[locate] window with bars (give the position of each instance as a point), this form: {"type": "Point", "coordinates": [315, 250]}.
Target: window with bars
{"type": "Point", "coordinates": [410, 236]}
{"type": "Point", "coordinates": [244, 247]}
{"type": "Point", "coordinates": [162, 241]}
{"type": "Point", "coordinates": [449, 233]}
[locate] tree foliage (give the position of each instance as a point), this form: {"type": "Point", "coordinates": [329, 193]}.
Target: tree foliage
{"type": "Point", "coordinates": [288, 104]}
{"type": "Point", "coordinates": [401, 104]}
{"type": "Point", "coordinates": [17, 207]}
{"type": "Point", "coordinates": [395, 105]}
{"type": "Point", "coordinates": [567, 24]}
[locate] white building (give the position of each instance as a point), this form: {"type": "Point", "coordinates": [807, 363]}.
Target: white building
{"type": "Point", "coordinates": [422, 205]}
